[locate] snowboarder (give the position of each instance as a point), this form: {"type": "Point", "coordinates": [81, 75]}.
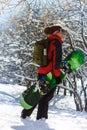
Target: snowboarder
{"type": "Point", "coordinates": [55, 34]}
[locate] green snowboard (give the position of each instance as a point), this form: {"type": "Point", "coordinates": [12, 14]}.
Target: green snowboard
{"type": "Point", "coordinates": [32, 95]}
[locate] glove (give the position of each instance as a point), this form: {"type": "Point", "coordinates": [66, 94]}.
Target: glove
{"type": "Point", "coordinates": [58, 80]}
{"type": "Point", "coordinates": [65, 66]}
{"type": "Point", "coordinates": [41, 77]}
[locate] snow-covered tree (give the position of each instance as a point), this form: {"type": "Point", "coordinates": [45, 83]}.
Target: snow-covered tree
{"type": "Point", "coordinates": [27, 26]}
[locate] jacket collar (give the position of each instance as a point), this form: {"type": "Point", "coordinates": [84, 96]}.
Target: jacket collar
{"type": "Point", "coordinates": [55, 37]}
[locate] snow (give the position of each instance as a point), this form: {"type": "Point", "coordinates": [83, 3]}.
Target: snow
{"type": "Point", "coordinates": [62, 116]}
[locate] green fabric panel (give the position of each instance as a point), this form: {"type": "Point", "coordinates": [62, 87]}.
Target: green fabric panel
{"type": "Point", "coordinates": [51, 79]}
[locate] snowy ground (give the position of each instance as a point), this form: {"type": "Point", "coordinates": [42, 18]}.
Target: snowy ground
{"type": "Point", "coordinates": [61, 117]}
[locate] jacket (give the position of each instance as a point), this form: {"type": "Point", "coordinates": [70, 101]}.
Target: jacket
{"type": "Point", "coordinates": [54, 56]}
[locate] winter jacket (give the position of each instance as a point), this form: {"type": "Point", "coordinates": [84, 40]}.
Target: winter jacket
{"type": "Point", "coordinates": [54, 56]}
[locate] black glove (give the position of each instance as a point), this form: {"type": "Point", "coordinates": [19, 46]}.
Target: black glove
{"type": "Point", "coordinates": [58, 80]}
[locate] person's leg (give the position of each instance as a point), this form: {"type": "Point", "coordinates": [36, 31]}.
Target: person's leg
{"type": "Point", "coordinates": [42, 109]}
{"type": "Point", "coordinates": [43, 105]}
{"type": "Point", "coordinates": [26, 112]}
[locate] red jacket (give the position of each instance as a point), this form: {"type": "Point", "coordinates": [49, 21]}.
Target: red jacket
{"type": "Point", "coordinates": [54, 56]}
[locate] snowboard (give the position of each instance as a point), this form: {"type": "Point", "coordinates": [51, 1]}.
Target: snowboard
{"type": "Point", "coordinates": [31, 96]}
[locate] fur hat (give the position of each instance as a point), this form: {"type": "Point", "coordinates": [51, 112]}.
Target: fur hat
{"type": "Point", "coordinates": [51, 29]}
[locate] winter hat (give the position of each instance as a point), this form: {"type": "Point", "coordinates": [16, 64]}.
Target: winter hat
{"type": "Point", "coordinates": [51, 29]}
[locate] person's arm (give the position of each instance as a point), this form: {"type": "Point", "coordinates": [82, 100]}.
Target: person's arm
{"type": "Point", "coordinates": [58, 54]}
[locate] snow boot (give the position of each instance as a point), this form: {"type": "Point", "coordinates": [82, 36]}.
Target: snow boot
{"type": "Point", "coordinates": [26, 113]}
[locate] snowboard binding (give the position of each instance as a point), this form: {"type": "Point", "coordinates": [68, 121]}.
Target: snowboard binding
{"type": "Point", "coordinates": [43, 87]}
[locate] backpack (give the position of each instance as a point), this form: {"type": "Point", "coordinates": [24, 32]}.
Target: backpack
{"type": "Point", "coordinates": [40, 52]}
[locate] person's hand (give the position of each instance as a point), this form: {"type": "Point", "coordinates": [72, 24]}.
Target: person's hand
{"type": "Point", "coordinates": [58, 80]}
{"type": "Point", "coordinates": [65, 66]}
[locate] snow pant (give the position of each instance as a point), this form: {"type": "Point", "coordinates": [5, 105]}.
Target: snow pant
{"type": "Point", "coordinates": [42, 111]}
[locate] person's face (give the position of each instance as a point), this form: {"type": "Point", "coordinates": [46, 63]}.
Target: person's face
{"type": "Point", "coordinates": [61, 35]}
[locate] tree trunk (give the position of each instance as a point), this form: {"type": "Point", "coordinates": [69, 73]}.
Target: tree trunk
{"type": "Point", "coordinates": [78, 102]}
